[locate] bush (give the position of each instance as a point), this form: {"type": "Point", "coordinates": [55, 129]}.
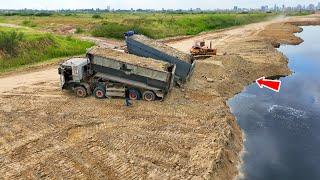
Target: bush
{"type": "Point", "coordinates": [43, 14]}
{"type": "Point", "coordinates": [10, 14]}
{"type": "Point", "coordinates": [96, 16]}
{"type": "Point", "coordinates": [69, 38]}
{"type": "Point", "coordinates": [79, 30]}
{"type": "Point", "coordinates": [110, 30]}
{"type": "Point", "coordinates": [9, 42]}
{"type": "Point", "coordinates": [28, 23]}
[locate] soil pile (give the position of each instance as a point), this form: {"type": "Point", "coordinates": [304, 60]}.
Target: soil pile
{"type": "Point", "coordinates": [129, 58]}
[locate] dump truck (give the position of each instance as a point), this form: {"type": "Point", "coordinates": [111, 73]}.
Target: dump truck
{"type": "Point", "coordinates": [109, 73]}
{"type": "Point", "coordinates": [143, 46]}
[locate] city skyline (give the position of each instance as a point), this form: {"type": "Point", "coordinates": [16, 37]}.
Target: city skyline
{"type": "Point", "coordinates": [147, 4]}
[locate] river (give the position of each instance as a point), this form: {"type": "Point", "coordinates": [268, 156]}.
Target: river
{"type": "Point", "coordinates": [282, 130]}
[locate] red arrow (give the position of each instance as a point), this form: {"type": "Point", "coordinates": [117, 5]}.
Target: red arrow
{"type": "Point", "coordinates": [274, 85]}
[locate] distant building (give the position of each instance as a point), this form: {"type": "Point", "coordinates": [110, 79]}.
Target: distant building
{"type": "Point", "coordinates": [264, 8]}
{"type": "Point", "coordinates": [311, 7]}
{"type": "Point", "coordinates": [299, 7]}
{"type": "Point", "coordinates": [235, 8]}
{"type": "Point", "coordinates": [318, 6]}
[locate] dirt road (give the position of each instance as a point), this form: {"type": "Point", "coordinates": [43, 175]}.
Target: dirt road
{"type": "Point", "coordinates": [46, 133]}
{"type": "Point", "coordinates": [12, 26]}
{"type": "Point", "coordinates": [27, 79]}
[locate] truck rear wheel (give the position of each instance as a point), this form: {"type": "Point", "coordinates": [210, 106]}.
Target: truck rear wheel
{"type": "Point", "coordinates": [99, 93]}
{"type": "Point", "coordinates": [80, 92]}
{"type": "Point", "coordinates": [149, 96]}
{"type": "Point", "coordinates": [134, 94]}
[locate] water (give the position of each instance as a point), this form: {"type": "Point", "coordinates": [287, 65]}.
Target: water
{"type": "Point", "coordinates": [283, 129]}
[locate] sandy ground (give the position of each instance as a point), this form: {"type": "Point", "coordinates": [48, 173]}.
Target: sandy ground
{"type": "Point", "coordinates": [49, 134]}
{"type": "Point", "coordinates": [12, 26]}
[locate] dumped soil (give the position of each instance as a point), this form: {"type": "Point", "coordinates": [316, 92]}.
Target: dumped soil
{"type": "Point", "coordinates": [162, 47]}
{"type": "Point", "coordinates": [130, 59]}
{"type": "Point", "coordinates": [46, 133]}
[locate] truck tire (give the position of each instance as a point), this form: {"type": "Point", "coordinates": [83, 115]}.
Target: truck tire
{"type": "Point", "coordinates": [80, 92]}
{"type": "Point", "coordinates": [99, 93]}
{"type": "Point", "coordinates": [149, 96]}
{"type": "Point", "coordinates": [134, 94]}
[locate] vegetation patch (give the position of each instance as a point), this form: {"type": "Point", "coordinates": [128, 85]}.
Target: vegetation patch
{"type": "Point", "coordinates": [28, 23]}
{"type": "Point", "coordinates": [155, 25]}
{"type": "Point", "coordinates": [97, 16]}
{"type": "Point", "coordinates": [300, 13]}
{"type": "Point", "coordinates": [9, 42]}
{"type": "Point", "coordinates": [79, 30]}
{"type": "Point", "coordinates": [26, 13]}
{"type": "Point", "coordinates": [24, 48]}
{"type": "Point", "coordinates": [168, 25]}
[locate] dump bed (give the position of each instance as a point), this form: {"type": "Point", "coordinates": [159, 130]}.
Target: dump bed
{"type": "Point", "coordinates": [131, 68]}
{"type": "Point", "coordinates": [143, 46]}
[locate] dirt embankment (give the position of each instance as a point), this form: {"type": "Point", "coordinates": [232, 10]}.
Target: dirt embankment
{"type": "Point", "coordinates": [46, 133]}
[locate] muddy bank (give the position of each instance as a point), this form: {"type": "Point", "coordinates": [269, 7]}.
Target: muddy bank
{"type": "Point", "coordinates": [272, 63]}
{"type": "Point", "coordinates": [249, 57]}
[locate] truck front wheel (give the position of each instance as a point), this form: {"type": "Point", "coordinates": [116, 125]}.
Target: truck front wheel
{"type": "Point", "coordinates": [99, 93]}
{"type": "Point", "coordinates": [80, 92]}
{"type": "Point", "coordinates": [149, 96]}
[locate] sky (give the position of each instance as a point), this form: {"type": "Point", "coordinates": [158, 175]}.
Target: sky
{"type": "Point", "coordinates": [146, 4]}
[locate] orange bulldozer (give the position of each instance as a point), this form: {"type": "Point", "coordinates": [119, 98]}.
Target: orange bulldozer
{"type": "Point", "coordinates": [200, 51]}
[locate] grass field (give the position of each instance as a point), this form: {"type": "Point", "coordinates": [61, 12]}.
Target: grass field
{"type": "Point", "coordinates": [155, 25]}
{"type": "Point", "coordinates": [169, 25]}
{"type": "Point", "coordinates": [24, 47]}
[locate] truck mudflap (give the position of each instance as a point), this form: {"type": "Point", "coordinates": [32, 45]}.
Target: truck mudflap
{"type": "Point", "coordinates": [191, 70]}
{"type": "Point", "coordinates": [160, 94]}
{"type": "Point", "coordinates": [62, 81]}
{"type": "Point", "coordinates": [172, 77]}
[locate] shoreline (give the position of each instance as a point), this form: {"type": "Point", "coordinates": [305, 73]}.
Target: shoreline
{"type": "Point", "coordinates": [259, 49]}
{"type": "Point", "coordinates": [291, 39]}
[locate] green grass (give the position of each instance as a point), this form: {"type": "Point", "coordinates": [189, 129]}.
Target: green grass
{"type": "Point", "coordinates": [169, 25]}
{"type": "Point", "coordinates": [301, 13]}
{"type": "Point", "coordinates": [155, 25]}
{"type": "Point", "coordinates": [28, 23]}
{"type": "Point", "coordinates": [39, 47]}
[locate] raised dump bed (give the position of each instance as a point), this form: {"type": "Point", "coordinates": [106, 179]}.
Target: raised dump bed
{"type": "Point", "coordinates": [141, 45]}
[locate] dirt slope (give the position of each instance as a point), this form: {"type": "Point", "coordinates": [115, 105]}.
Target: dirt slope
{"type": "Point", "coordinates": [46, 133]}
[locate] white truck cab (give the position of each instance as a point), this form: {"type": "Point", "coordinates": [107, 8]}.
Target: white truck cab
{"type": "Point", "coordinates": [73, 71]}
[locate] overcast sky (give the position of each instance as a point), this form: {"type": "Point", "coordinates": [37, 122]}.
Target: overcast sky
{"type": "Point", "coordinates": [144, 4]}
